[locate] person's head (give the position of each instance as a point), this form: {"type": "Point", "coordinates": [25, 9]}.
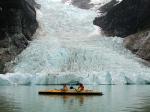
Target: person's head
{"type": "Point", "coordinates": [71, 87]}
{"type": "Point", "coordinates": [81, 84]}
{"type": "Point", "coordinates": [65, 85]}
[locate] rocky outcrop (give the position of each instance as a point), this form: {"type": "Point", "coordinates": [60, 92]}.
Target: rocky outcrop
{"type": "Point", "coordinates": [129, 19]}
{"type": "Point", "coordinates": [125, 18]}
{"type": "Point", "coordinates": [83, 4]}
{"type": "Point", "coordinates": [139, 44]}
{"type": "Point", "coordinates": [17, 25]}
{"type": "Point", "coordinates": [108, 6]}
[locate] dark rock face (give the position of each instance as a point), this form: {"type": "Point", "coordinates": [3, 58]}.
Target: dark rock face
{"type": "Point", "coordinates": [17, 25]}
{"type": "Point", "coordinates": [108, 6]}
{"type": "Point", "coordinates": [125, 18]}
{"type": "Point", "coordinates": [83, 4]}
{"type": "Point", "coordinates": [139, 44]}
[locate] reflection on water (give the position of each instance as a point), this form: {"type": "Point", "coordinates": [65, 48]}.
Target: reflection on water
{"type": "Point", "coordinates": [8, 104]}
{"type": "Point", "coordinates": [146, 105]}
{"type": "Point", "coordinates": [11, 106]}
{"type": "Point", "coordinates": [70, 99]}
{"type": "Point", "coordinates": [115, 99]}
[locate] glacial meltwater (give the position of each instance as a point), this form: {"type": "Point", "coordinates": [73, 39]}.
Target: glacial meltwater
{"type": "Point", "coordinates": [125, 98]}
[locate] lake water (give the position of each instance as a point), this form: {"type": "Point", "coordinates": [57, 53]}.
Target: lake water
{"type": "Point", "coordinates": [125, 98]}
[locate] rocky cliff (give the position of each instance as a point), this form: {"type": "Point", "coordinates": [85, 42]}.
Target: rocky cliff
{"type": "Point", "coordinates": [139, 44]}
{"type": "Point", "coordinates": [17, 25]}
{"type": "Point", "coordinates": [83, 4]}
{"type": "Point", "coordinates": [125, 18]}
{"type": "Point", "coordinates": [129, 19]}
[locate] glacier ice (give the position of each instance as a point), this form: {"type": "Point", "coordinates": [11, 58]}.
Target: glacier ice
{"type": "Point", "coordinates": [69, 48]}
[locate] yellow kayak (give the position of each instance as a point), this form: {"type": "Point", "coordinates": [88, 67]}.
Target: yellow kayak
{"type": "Point", "coordinates": [61, 92]}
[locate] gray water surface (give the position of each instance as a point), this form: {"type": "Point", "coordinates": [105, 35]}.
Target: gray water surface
{"type": "Point", "coordinates": [133, 98]}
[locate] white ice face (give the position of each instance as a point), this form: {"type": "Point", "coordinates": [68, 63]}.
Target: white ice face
{"type": "Point", "coordinates": [68, 47]}
{"type": "Point", "coordinates": [100, 1]}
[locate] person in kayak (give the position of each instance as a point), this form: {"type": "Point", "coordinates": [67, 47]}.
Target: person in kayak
{"type": "Point", "coordinates": [80, 88]}
{"type": "Point", "coordinates": [65, 88]}
{"type": "Point", "coordinates": [71, 87]}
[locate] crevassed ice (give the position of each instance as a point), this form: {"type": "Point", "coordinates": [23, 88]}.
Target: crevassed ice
{"type": "Point", "coordinates": [68, 48]}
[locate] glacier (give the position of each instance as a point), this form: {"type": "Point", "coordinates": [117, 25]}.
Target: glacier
{"type": "Point", "coordinates": [69, 48]}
